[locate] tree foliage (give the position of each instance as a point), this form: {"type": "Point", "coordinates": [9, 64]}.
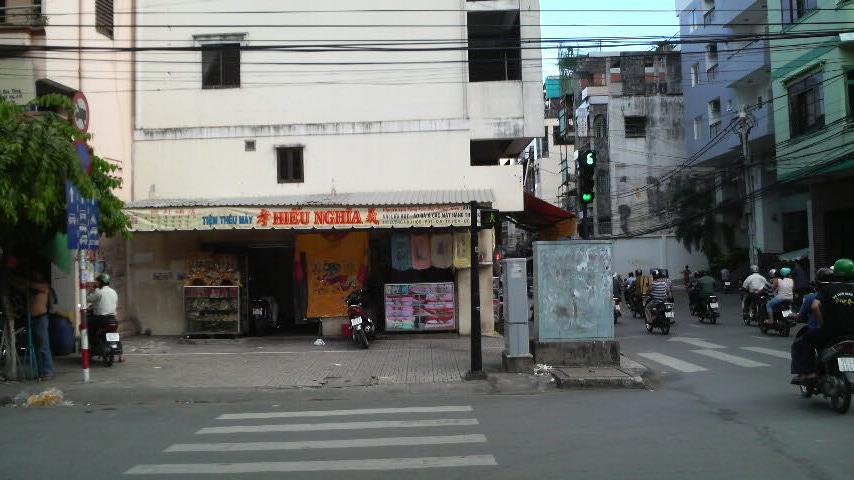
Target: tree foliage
{"type": "Point", "coordinates": [37, 157]}
{"type": "Point", "coordinates": [698, 227]}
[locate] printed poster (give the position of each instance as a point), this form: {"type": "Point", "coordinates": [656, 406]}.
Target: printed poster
{"type": "Point", "coordinates": [336, 263]}
{"type": "Point", "coordinates": [420, 306]}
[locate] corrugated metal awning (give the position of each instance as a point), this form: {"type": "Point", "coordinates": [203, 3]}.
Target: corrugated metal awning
{"type": "Point", "coordinates": [362, 199]}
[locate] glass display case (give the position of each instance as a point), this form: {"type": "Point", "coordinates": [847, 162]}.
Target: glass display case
{"type": "Point", "coordinates": [212, 310]}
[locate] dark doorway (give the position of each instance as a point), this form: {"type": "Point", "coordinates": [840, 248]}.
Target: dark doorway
{"type": "Point", "coordinates": [271, 276]}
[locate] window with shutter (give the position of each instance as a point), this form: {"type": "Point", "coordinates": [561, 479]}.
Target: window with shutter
{"type": "Point", "coordinates": [104, 17]}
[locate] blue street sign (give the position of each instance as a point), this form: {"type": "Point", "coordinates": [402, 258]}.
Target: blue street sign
{"type": "Point", "coordinates": [81, 220]}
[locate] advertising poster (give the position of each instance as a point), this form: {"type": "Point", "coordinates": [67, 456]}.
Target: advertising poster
{"type": "Point", "coordinates": [335, 264]}
{"type": "Point", "coordinates": [419, 306]}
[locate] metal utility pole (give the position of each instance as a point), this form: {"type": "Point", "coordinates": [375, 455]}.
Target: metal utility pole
{"type": "Point", "coordinates": [749, 183]}
{"type": "Point", "coordinates": [476, 371]}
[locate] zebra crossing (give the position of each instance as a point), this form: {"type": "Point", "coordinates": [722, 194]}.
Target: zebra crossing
{"type": "Point", "coordinates": [455, 426]}
{"type": "Point", "coordinates": [709, 356]}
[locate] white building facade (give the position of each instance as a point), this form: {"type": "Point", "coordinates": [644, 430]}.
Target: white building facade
{"type": "Point", "coordinates": [369, 119]}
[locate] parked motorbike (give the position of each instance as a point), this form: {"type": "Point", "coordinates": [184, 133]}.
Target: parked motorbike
{"type": "Point", "coordinates": [362, 328]}
{"type": "Point", "coordinates": [709, 309]}
{"type": "Point", "coordinates": [727, 286]}
{"type": "Point", "coordinates": [104, 339]}
{"type": "Point", "coordinates": [835, 375]}
{"type": "Point", "coordinates": [782, 321]}
{"type": "Point", "coordinates": [662, 315]}
{"type": "Point", "coordinates": [262, 317]}
{"type": "Point", "coordinates": [618, 312]}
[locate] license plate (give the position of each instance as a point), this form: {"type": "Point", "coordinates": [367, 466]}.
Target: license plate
{"type": "Point", "coordinates": [727, 284]}
{"type": "Point", "coordinates": [356, 321]}
{"type": "Point", "coordinates": [786, 313]}
{"type": "Point", "coordinates": [112, 337]}
{"type": "Point", "coordinates": [668, 314]}
{"type": "Point", "coordinates": [713, 305]}
{"type": "Point", "coordinates": [257, 311]}
{"type": "Point", "coordinates": [846, 364]}
{"type": "Point", "coordinates": [616, 308]}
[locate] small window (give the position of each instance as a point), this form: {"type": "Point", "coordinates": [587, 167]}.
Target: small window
{"type": "Point", "coordinates": [221, 65]}
{"type": "Point", "coordinates": [600, 126]}
{"type": "Point", "coordinates": [290, 164]}
{"type": "Point", "coordinates": [794, 10]}
{"type": "Point", "coordinates": [104, 17]}
{"type": "Point", "coordinates": [849, 81]}
{"type": "Point", "coordinates": [806, 104]}
{"type": "Point", "coordinates": [698, 128]}
{"type": "Point", "coordinates": [635, 127]}
{"type": "Point", "coordinates": [695, 74]}
{"type": "Point", "coordinates": [249, 145]}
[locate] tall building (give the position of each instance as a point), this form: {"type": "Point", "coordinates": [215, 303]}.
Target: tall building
{"type": "Point", "coordinates": [812, 55]}
{"type": "Point", "coordinates": [729, 121]}
{"type": "Point", "coordinates": [629, 111]}
{"type": "Point", "coordinates": [314, 150]}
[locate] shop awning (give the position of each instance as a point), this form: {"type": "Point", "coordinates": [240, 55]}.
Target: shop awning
{"type": "Point", "coordinates": [397, 209]}
{"type": "Point", "coordinates": [794, 255]}
{"type": "Point", "coordinates": [542, 216]}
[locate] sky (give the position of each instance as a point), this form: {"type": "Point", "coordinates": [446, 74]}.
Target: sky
{"type": "Point", "coordinates": [603, 20]}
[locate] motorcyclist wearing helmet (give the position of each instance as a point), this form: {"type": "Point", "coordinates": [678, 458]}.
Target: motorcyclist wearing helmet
{"type": "Point", "coordinates": [103, 299]}
{"type": "Point", "coordinates": [822, 277]}
{"type": "Point", "coordinates": [753, 284]}
{"type": "Point", "coordinates": [705, 288]}
{"type": "Point", "coordinates": [834, 310]}
{"type": "Point", "coordinates": [659, 292]}
{"type": "Point", "coordinates": [784, 288]}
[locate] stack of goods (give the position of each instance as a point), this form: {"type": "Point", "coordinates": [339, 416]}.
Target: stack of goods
{"type": "Point", "coordinates": [212, 270]}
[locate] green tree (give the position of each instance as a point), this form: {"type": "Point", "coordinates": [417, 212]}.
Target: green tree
{"type": "Point", "coordinates": [37, 157]}
{"type": "Point", "coordinates": [698, 227]}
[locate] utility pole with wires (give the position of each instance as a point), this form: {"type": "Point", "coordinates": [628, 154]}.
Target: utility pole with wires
{"type": "Point", "coordinates": [745, 124]}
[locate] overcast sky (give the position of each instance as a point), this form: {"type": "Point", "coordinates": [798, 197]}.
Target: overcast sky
{"type": "Point", "coordinates": [633, 21]}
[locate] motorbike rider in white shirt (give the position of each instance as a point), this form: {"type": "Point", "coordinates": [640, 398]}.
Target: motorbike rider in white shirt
{"type": "Point", "coordinates": [754, 284]}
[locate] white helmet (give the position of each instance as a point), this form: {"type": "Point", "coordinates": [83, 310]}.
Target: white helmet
{"type": "Point", "coordinates": [772, 272]}
{"type": "Point", "coordinates": [754, 268]}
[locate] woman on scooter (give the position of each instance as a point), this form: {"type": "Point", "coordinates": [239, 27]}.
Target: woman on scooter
{"type": "Point", "coordinates": [784, 287]}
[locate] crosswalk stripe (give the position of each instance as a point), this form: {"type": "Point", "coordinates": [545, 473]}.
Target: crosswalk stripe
{"type": "Point", "coordinates": [333, 413]}
{"type": "Point", "coordinates": [314, 466]}
{"type": "Point", "coordinates": [697, 342]}
{"type": "Point", "coordinates": [672, 362]}
{"type": "Point", "coordinates": [313, 427]}
{"type": "Point", "coordinates": [735, 360]}
{"type": "Point", "coordinates": [323, 444]}
{"type": "Point", "coordinates": [769, 351]}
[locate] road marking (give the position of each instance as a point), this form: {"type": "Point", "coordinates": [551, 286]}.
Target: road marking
{"type": "Point", "coordinates": [725, 357]}
{"type": "Point", "coordinates": [321, 444]}
{"type": "Point", "coordinates": [697, 342]}
{"type": "Point", "coordinates": [332, 413]}
{"type": "Point", "coordinates": [760, 338]}
{"type": "Point", "coordinates": [316, 427]}
{"type": "Point", "coordinates": [672, 362]}
{"type": "Point", "coordinates": [314, 466]}
{"type": "Point", "coordinates": [769, 351]}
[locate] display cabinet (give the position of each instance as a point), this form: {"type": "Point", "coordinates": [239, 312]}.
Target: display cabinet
{"type": "Point", "coordinates": [212, 310]}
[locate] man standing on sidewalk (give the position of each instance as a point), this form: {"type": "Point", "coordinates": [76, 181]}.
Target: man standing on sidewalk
{"type": "Point", "coordinates": [38, 292]}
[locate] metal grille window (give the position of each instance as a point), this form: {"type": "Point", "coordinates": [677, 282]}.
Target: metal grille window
{"type": "Point", "coordinates": [289, 164]}
{"type": "Point", "coordinates": [221, 65]}
{"type": "Point", "coordinates": [104, 17]}
{"type": "Point", "coordinates": [635, 127]}
{"type": "Point", "coordinates": [806, 105]}
{"type": "Point", "coordinates": [600, 126]}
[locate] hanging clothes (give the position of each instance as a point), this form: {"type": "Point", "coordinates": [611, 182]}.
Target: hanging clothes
{"type": "Point", "coordinates": [421, 258]}
{"type": "Point", "coordinates": [442, 250]}
{"type": "Point", "coordinates": [462, 249]}
{"type": "Point", "coordinates": [401, 252]}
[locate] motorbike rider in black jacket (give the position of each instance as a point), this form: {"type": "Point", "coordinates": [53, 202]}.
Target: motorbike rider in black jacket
{"type": "Point", "coordinates": [834, 309]}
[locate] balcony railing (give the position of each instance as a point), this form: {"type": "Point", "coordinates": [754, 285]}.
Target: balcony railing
{"type": "Point", "coordinates": [25, 15]}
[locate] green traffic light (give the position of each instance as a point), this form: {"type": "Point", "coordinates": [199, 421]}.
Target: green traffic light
{"type": "Point", "coordinates": [586, 197]}
{"type": "Point", "coordinates": [590, 159]}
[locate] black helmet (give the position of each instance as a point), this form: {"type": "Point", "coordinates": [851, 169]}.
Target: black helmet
{"type": "Point", "coordinates": [824, 275]}
{"type": "Point", "coordinates": [639, 272]}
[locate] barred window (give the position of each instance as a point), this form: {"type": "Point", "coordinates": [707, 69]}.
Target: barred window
{"type": "Point", "coordinates": [221, 65]}
{"type": "Point", "coordinates": [289, 164]}
{"type": "Point", "coordinates": [104, 17]}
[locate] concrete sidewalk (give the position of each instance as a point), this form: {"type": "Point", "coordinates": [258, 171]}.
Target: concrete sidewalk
{"type": "Point", "coordinates": [173, 368]}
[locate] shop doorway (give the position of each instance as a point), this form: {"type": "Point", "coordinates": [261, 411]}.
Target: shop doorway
{"type": "Point", "coordinates": [271, 282]}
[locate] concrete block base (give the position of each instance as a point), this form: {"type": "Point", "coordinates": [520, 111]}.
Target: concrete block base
{"type": "Point", "coordinates": [517, 363]}
{"type": "Point", "coordinates": [579, 353]}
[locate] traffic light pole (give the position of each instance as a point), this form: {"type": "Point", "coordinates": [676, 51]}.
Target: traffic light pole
{"type": "Point", "coordinates": [476, 372]}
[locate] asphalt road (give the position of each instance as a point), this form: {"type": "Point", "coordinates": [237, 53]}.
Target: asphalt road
{"type": "Point", "coordinates": [723, 409]}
